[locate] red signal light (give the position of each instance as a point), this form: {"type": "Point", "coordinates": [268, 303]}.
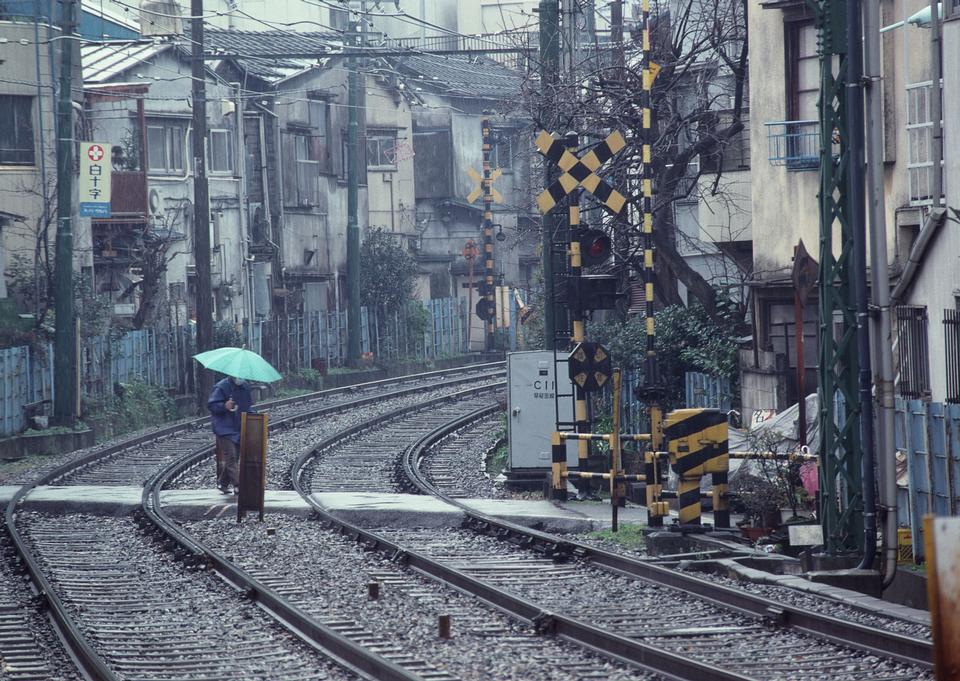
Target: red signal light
{"type": "Point", "coordinates": [595, 247]}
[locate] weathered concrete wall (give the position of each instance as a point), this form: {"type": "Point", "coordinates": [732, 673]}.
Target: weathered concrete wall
{"type": "Point", "coordinates": [23, 187]}
{"type": "Point", "coordinates": [937, 287]}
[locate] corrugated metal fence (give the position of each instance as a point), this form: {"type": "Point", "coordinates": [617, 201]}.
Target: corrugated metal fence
{"type": "Point", "coordinates": [164, 357]}
{"type": "Point", "coordinates": [26, 378]}
{"type": "Point", "coordinates": [706, 391]}
{"type": "Point", "coordinates": [928, 433]}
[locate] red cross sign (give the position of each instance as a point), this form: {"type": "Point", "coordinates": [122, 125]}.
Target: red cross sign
{"type": "Point", "coordinates": [95, 152]}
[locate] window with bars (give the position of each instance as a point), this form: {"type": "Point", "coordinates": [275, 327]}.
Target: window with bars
{"type": "Point", "coordinates": [951, 332]}
{"type": "Point", "coordinates": [920, 143]}
{"type": "Point", "coordinates": [914, 351]}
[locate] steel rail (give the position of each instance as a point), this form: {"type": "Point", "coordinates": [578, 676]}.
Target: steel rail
{"type": "Point", "coordinates": [91, 663]}
{"type": "Point", "coordinates": [870, 640]}
{"type": "Point", "coordinates": [635, 653]}
{"type": "Point", "coordinates": [338, 647]}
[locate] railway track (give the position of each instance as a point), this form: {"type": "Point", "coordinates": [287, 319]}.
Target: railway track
{"type": "Point", "coordinates": [104, 584]}
{"type": "Point", "coordinates": [712, 626]}
{"type": "Point", "coordinates": [715, 634]}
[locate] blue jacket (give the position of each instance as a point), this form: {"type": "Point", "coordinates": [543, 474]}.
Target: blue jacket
{"type": "Point", "coordinates": [227, 423]}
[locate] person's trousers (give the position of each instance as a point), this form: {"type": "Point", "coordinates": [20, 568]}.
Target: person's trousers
{"type": "Point", "coordinates": [228, 455]}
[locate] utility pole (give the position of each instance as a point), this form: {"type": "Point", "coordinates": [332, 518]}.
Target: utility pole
{"type": "Point", "coordinates": [201, 202]}
{"type": "Point", "coordinates": [353, 199]}
{"type": "Point", "coordinates": [881, 333]}
{"type": "Point", "coordinates": [65, 333]}
{"type": "Point", "coordinates": [549, 80]}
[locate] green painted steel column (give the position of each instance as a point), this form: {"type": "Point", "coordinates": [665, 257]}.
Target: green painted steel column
{"type": "Point", "coordinates": [841, 499]}
{"type": "Point", "coordinates": [549, 80]}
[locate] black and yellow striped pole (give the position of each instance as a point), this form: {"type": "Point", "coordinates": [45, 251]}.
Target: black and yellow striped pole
{"type": "Point", "coordinates": [578, 335]}
{"type": "Point", "coordinates": [489, 289]}
{"type": "Point", "coordinates": [652, 391]}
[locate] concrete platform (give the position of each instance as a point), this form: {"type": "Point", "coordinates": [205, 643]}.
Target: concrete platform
{"type": "Point", "coordinates": [363, 509]}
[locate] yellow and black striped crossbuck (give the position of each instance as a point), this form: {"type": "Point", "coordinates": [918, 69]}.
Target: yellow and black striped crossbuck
{"type": "Point", "coordinates": [697, 442]}
{"type": "Point", "coordinates": [580, 172]}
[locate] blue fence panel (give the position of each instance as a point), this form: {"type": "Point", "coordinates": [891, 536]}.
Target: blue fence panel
{"type": "Point", "coordinates": [937, 459]}
{"type": "Point", "coordinates": [706, 391]}
{"type": "Point", "coordinates": [952, 424]}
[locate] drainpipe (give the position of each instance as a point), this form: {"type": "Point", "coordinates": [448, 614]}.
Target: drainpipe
{"type": "Point", "coordinates": [880, 272]}
{"type": "Point", "coordinates": [855, 128]}
{"type": "Point", "coordinates": [936, 104]}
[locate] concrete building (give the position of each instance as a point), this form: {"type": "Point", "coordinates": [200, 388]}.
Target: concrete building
{"type": "Point", "coordinates": [785, 182]}
{"type": "Point", "coordinates": [451, 95]}
{"type": "Point", "coordinates": [29, 57]}
{"type": "Point", "coordinates": [296, 118]}
{"type": "Point", "coordinates": [137, 98]}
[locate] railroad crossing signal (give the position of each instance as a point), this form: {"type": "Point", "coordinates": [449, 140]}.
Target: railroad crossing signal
{"type": "Point", "coordinates": [590, 366]}
{"type": "Point", "coordinates": [478, 190]}
{"type": "Point", "coordinates": [580, 172]}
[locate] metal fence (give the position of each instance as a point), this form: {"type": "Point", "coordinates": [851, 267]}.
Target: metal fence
{"type": "Point", "coordinates": [951, 334]}
{"type": "Point", "coordinates": [706, 391]}
{"type": "Point", "coordinates": [26, 379]}
{"type": "Point", "coordinates": [164, 357]}
{"type": "Point", "coordinates": [928, 434]}
{"type": "Point", "coordinates": [914, 351]}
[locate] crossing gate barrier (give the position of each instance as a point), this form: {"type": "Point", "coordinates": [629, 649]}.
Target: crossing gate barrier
{"type": "Point", "coordinates": [697, 443]}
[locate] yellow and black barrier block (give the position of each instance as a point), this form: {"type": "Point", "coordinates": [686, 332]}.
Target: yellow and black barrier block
{"type": "Point", "coordinates": [558, 467]}
{"type": "Point", "coordinates": [697, 442]}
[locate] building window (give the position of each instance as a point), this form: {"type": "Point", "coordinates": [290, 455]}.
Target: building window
{"type": "Point", "coordinates": [16, 130]}
{"type": "Point", "coordinates": [306, 187]}
{"type": "Point", "coordinates": [502, 150]}
{"type": "Point", "coordinates": [220, 151]}
{"type": "Point", "coordinates": [166, 141]}
{"type": "Point", "coordinates": [951, 332]}
{"type": "Point", "coordinates": [920, 143]}
{"type": "Point", "coordinates": [914, 351]}
{"type": "Point", "coordinates": [381, 149]}
{"type": "Point", "coordinates": [803, 71]}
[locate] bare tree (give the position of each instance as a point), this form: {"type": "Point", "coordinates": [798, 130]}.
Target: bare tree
{"type": "Point", "coordinates": [152, 258]}
{"type": "Point", "coordinates": [698, 109]}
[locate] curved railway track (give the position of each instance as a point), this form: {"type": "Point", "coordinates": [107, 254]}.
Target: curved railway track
{"type": "Point", "coordinates": [101, 594]}
{"type": "Point", "coordinates": [705, 630]}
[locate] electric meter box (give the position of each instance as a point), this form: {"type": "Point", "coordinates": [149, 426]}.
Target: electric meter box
{"type": "Point", "coordinates": [531, 410]}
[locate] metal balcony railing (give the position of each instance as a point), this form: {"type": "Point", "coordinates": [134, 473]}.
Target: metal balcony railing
{"type": "Point", "coordinates": [794, 144]}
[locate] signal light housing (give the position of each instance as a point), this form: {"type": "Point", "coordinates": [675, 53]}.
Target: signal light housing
{"type": "Point", "coordinates": [595, 247]}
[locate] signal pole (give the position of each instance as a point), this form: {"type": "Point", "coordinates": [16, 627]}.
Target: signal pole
{"type": "Point", "coordinates": [488, 287]}
{"type": "Point", "coordinates": [201, 202]}
{"type": "Point", "coordinates": [65, 333]}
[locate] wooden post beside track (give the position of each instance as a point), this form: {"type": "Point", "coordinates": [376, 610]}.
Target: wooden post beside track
{"type": "Point", "coordinates": [253, 464]}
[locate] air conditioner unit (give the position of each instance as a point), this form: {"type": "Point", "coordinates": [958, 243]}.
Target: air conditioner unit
{"type": "Point", "coordinates": [155, 203]}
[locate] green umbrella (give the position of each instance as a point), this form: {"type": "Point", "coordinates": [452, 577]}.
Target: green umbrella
{"type": "Point", "coordinates": [239, 363]}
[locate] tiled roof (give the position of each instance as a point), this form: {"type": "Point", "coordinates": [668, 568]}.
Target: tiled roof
{"type": "Point", "coordinates": [460, 76]}
{"type": "Point", "coordinates": [102, 61]}
{"type": "Point", "coordinates": [271, 69]}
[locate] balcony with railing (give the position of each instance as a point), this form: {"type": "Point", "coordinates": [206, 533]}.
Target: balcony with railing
{"type": "Point", "coordinates": [128, 194]}
{"type": "Point", "coordinates": [794, 144]}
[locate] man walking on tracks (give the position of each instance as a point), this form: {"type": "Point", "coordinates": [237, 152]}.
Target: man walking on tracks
{"type": "Point", "coordinates": [230, 398]}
